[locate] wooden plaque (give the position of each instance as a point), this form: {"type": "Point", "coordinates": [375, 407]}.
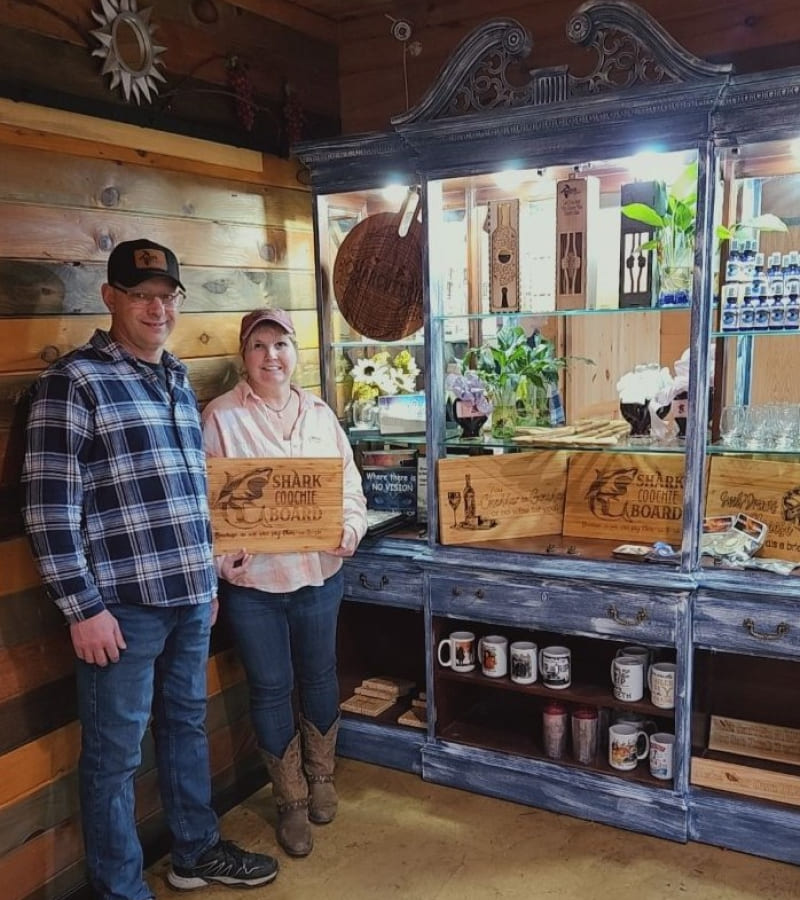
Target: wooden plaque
{"type": "Point", "coordinates": [504, 256]}
{"type": "Point", "coordinates": [275, 505]}
{"type": "Point", "coordinates": [628, 497]}
{"type": "Point", "coordinates": [488, 498]}
{"type": "Point", "coordinates": [764, 489]}
{"type": "Point", "coordinates": [746, 780]}
{"type": "Point", "coordinates": [773, 742]}
{"type": "Point", "coordinates": [577, 206]}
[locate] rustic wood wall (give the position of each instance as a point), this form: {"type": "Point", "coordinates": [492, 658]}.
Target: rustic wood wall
{"type": "Point", "coordinates": [46, 47]}
{"type": "Point", "coordinates": [753, 34]}
{"type": "Point", "coordinates": [70, 188]}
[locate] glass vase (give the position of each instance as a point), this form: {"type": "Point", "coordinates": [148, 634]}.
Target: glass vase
{"type": "Point", "coordinates": [505, 416]}
{"type": "Point", "coordinates": [365, 414]}
{"type": "Point", "coordinates": [532, 404]}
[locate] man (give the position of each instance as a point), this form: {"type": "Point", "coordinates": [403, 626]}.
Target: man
{"type": "Point", "coordinates": [116, 511]}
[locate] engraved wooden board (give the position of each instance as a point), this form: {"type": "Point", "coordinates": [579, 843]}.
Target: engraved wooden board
{"type": "Point", "coordinates": [767, 490]}
{"type": "Point", "coordinates": [504, 256]}
{"type": "Point", "coordinates": [625, 496]}
{"type": "Point", "coordinates": [517, 495]}
{"type": "Point", "coordinates": [773, 742]}
{"type": "Point", "coordinates": [275, 505]}
{"type": "Point", "coordinates": [746, 780]}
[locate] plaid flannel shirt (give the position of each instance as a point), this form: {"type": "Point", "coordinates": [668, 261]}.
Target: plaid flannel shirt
{"type": "Point", "coordinates": [116, 503]}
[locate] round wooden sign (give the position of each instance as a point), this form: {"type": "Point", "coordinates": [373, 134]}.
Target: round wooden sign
{"type": "Point", "coordinates": [377, 277]}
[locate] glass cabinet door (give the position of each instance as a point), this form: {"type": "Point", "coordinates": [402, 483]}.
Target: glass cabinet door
{"type": "Point", "coordinates": [564, 326]}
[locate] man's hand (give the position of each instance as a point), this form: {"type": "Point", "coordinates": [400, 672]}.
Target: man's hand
{"type": "Point", "coordinates": [97, 640]}
{"type": "Point", "coordinates": [214, 610]}
{"type": "Point", "coordinates": [234, 565]}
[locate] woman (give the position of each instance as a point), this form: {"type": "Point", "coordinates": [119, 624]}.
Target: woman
{"type": "Point", "coordinates": [283, 607]}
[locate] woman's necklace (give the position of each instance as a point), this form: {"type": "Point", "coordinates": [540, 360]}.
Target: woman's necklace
{"type": "Point", "coordinates": [280, 410]}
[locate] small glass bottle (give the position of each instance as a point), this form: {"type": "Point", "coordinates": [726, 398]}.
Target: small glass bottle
{"type": "Point", "coordinates": [748, 261]}
{"type": "Point", "coordinates": [760, 282]}
{"type": "Point", "coordinates": [761, 313]}
{"type": "Point", "coordinates": [775, 275]}
{"type": "Point", "coordinates": [729, 313]}
{"type": "Point", "coordinates": [733, 266]}
{"type": "Point", "coordinates": [791, 315]}
{"type": "Point", "coordinates": [747, 310]}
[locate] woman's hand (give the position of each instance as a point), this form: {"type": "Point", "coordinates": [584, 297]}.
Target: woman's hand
{"type": "Point", "coordinates": [348, 544]}
{"type": "Point", "coordinates": [234, 565]}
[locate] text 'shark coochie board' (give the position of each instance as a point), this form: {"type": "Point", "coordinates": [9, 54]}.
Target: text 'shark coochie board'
{"type": "Point", "coordinates": [276, 505]}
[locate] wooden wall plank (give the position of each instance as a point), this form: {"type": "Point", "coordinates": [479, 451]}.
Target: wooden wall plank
{"type": "Point", "coordinates": [59, 179]}
{"type": "Point", "coordinates": [27, 614]}
{"type": "Point", "coordinates": [35, 288]}
{"type": "Point", "coordinates": [25, 667]}
{"type": "Point", "coordinates": [28, 717]}
{"type": "Point", "coordinates": [79, 235]}
{"type": "Point", "coordinates": [19, 571]}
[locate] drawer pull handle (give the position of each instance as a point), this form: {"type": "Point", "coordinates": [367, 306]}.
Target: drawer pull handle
{"type": "Point", "coordinates": [640, 618]}
{"type": "Point", "coordinates": [478, 593]}
{"type": "Point", "coordinates": [364, 582]}
{"type": "Point", "coordinates": [781, 630]}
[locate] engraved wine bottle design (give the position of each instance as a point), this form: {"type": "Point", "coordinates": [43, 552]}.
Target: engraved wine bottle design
{"type": "Point", "coordinates": [470, 518]}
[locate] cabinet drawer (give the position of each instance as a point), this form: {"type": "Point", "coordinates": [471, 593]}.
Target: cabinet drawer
{"type": "Point", "coordinates": [767, 626]}
{"type": "Point", "coordinates": [571, 607]}
{"type": "Point", "coordinates": [377, 580]}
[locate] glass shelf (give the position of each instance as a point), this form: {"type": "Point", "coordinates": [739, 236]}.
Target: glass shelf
{"type": "Point", "coordinates": [789, 332]}
{"type": "Point", "coordinates": [372, 435]}
{"type": "Point", "coordinates": [488, 442]}
{"type": "Point", "coordinates": [760, 451]}
{"type": "Point", "coordinates": [560, 313]}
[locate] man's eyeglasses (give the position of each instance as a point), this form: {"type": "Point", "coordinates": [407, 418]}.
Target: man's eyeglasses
{"type": "Point", "coordinates": [171, 300]}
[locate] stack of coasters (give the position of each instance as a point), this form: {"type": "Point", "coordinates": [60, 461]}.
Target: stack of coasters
{"type": "Point", "coordinates": [417, 716]}
{"type": "Point", "coordinates": [375, 695]}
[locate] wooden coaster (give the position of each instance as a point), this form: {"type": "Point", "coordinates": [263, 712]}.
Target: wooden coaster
{"type": "Point", "coordinates": [398, 686]}
{"type": "Point", "coordinates": [366, 706]}
{"type": "Point", "coordinates": [413, 717]}
{"type": "Point", "coordinates": [373, 692]}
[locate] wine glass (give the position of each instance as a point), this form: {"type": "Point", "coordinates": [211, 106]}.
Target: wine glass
{"type": "Point", "coordinates": [454, 499]}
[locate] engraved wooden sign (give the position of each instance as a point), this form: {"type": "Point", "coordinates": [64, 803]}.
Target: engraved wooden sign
{"type": "Point", "coordinates": [746, 780]}
{"type": "Point", "coordinates": [488, 498]}
{"type": "Point", "coordinates": [504, 255]}
{"type": "Point", "coordinates": [763, 489]}
{"type": "Point", "coordinates": [774, 742]}
{"type": "Point", "coordinates": [630, 497]}
{"type": "Point", "coordinates": [275, 505]}
{"type": "Point", "coordinates": [577, 206]}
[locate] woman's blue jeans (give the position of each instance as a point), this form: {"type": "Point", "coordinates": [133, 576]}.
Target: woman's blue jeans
{"type": "Point", "coordinates": [163, 669]}
{"type": "Point", "coordinates": [283, 638]}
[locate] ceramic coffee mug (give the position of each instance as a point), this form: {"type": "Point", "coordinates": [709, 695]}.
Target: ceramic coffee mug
{"type": "Point", "coordinates": [523, 662]}
{"type": "Point", "coordinates": [555, 665]}
{"type": "Point", "coordinates": [635, 650]}
{"type": "Point", "coordinates": [661, 753]}
{"type": "Point", "coordinates": [461, 651]}
{"type": "Point", "coordinates": [661, 681]}
{"type": "Point", "coordinates": [626, 746]}
{"type": "Point", "coordinates": [623, 717]}
{"type": "Point", "coordinates": [493, 653]}
{"type": "Point", "coordinates": [627, 676]}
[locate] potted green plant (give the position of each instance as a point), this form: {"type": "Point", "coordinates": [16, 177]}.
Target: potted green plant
{"type": "Point", "coordinates": [517, 372]}
{"type": "Point", "coordinates": [675, 232]}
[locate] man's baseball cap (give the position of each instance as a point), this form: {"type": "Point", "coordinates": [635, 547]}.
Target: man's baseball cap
{"type": "Point", "coordinates": [264, 317]}
{"type": "Point", "coordinates": [133, 262]}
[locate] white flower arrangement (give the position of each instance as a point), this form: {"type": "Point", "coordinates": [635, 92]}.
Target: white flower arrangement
{"type": "Point", "coordinates": [383, 376]}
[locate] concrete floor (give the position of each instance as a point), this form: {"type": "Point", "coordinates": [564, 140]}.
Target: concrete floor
{"type": "Point", "coordinates": [398, 836]}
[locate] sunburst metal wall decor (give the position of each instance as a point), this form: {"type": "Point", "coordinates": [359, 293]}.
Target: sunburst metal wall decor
{"type": "Point", "coordinates": [126, 44]}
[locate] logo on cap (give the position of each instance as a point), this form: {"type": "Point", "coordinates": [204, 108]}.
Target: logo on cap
{"type": "Point", "coordinates": [150, 259]}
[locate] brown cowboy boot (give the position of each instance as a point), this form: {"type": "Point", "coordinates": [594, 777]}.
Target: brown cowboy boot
{"type": "Point", "coordinates": [318, 762]}
{"type": "Point", "coordinates": [290, 790]}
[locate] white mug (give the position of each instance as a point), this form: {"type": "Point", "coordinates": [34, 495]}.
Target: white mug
{"type": "Point", "coordinates": [635, 650]}
{"type": "Point", "coordinates": [523, 662]}
{"type": "Point", "coordinates": [661, 681]}
{"type": "Point", "coordinates": [624, 743]}
{"type": "Point", "coordinates": [461, 655]}
{"type": "Point", "coordinates": [661, 753]}
{"type": "Point", "coordinates": [627, 676]}
{"type": "Point", "coordinates": [555, 665]}
{"type": "Point", "coordinates": [493, 653]}
{"type": "Point", "coordinates": [623, 717]}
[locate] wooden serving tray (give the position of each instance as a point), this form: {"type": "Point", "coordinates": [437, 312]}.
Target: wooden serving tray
{"type": "Point", "coordinates": [749, 781]}
{"type": "Point", "coordinates": [755, 739]}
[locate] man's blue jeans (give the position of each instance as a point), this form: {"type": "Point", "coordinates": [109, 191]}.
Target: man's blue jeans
{"type": "Point", "coordinates": [163, 669]}
{"type": "Point", "coordinates": [283, 637]}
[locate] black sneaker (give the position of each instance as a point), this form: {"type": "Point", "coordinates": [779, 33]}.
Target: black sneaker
{"type": "Point", "coordinates": [224, 863]}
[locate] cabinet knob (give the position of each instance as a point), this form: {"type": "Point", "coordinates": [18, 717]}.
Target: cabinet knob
{"type": "Point", "coordinates": [781, 630]}
{"type": "Point", "coordinates": [640, 618]}
{"type": "Point", "coordinates": [479, 593]}
{"type": "Point", "coordinates": [364, 582]}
